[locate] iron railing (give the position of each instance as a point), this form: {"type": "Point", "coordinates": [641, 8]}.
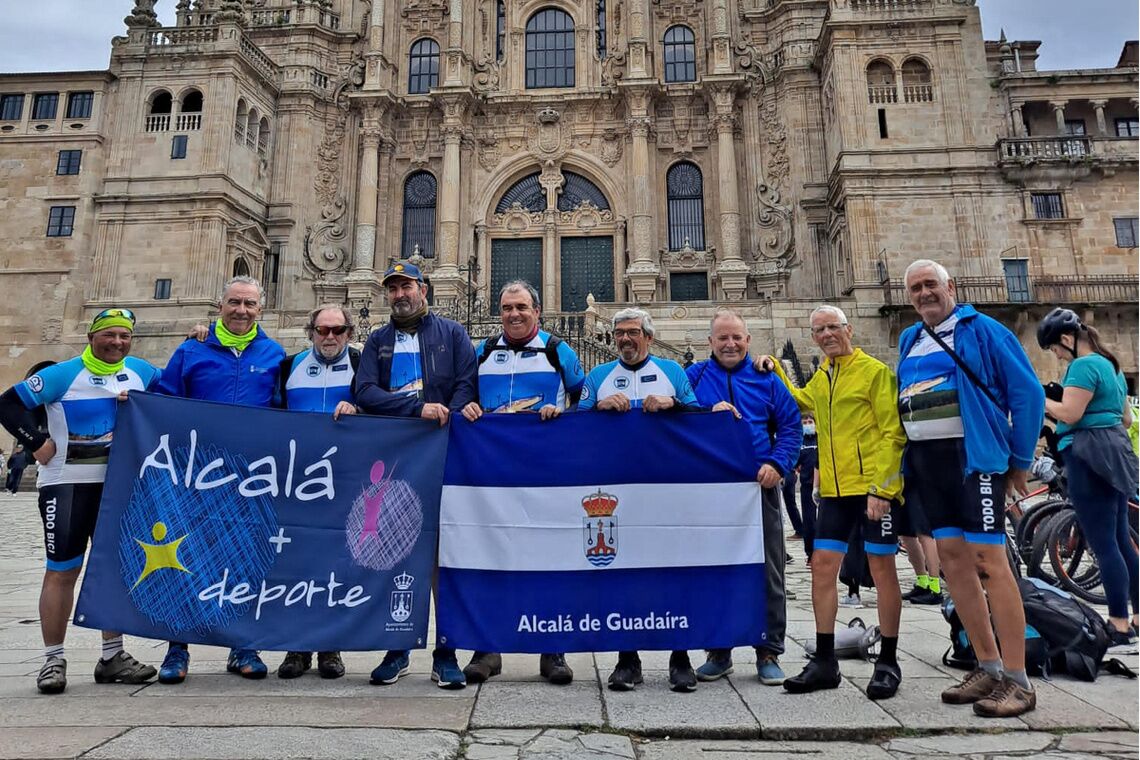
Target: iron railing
{"type": "Point", "coordinates": [1042, 289]}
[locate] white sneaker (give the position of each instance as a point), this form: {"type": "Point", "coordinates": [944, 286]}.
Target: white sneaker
{"type": "Point", "coordinates": [851, 600]}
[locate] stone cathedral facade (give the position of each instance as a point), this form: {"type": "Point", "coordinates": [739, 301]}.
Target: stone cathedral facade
{"type": "Point", "coordinates": [679, 154]}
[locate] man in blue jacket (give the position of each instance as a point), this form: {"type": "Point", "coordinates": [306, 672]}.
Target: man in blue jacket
{"type": "Point", "coordinates": [972, 408]}
{"type": "Point", "coordinates": [237, 363]}
{"type": "Point", "coordinates": [777, 433]}
{"type": "Point", "coordinates": [417, 365]}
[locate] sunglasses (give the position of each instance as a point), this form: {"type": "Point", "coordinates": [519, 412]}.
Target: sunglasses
{"type": "Point", "coordinates": [324, 331]}
{"type": "Point", "coordinates": [125, 313]}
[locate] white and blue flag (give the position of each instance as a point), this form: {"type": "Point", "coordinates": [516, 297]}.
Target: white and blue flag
{"type": "Point", "coordinates": [599, 532]}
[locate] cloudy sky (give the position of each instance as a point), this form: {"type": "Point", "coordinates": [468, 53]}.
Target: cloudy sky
{"type": "Point", "coordinates": [74, 35]}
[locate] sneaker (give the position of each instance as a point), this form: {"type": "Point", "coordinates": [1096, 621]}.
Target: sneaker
{"type": "Point", "coordinates": [818, 674]}
{"type": "Point", "coordinates": [1121, 642]}
{"type": "Point", "coordinates": [718, 664]}
{"type": "Point", "coordinates": [977, 684]}
{"type": "Point", "coordinates": [122, 668]}
{"type": "Point", "coordinates": [392, 668]}
{"type": "Point", "coordinates": [1007, 700]}
{"type": "Point", "coordinates": [915, 590]}
{"type": "Point", "coordinates": [446, 673]}
{"type": "Point", "coordinates": [681, 675]}
{"type": "Point", "coordinates": [884, 681]}
{"type": "Point", "coordinates": [175, 665]}
{"type": "Point", "coordinates": [53, 676]}
{"type": "Point", "coordinates": [329, 664]}
{"type": "Point", "coordinates": [246, 663]}
{"type": "Point", "coordinates": [295, 664]}
{"type": "Point", "coordinates": [768, 670]}
{"type": "Point", "coordinates": [926, 596]}
{"type": "Point", "coordinates": [627, 672]}
{"type": "Point", "coordinates": [554, 669]}
{"type": "Point", "coordinates": [851, 600]}
{"type": "Point", "coordinates": [483, 665]}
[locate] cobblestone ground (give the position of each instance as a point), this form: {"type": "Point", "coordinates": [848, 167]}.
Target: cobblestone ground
{"type": "Point", "coordinates": [518, 716]}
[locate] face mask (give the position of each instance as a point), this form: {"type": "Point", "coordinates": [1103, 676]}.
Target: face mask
{"type": "Point", "coordinates": [809, 429]}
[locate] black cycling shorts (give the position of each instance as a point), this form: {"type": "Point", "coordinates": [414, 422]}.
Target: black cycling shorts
{"type": "Point", "coordinates": [68, 511]}
{"type": "Point", "coordinates": [837, 517]}
{"type": "Point", "coordinates": [911, 519]}
{"type": "Point", "coordinates": [956, 505]}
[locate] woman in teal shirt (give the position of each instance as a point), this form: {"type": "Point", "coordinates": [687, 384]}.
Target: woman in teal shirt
{"type": "Point", "coordinates": [1100, 465]}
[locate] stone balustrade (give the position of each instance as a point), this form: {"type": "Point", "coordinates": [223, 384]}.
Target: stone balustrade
{"type": "Point", "coordinates": [1044, 148]}
{"type": "Point", "coordinates": [882, 93]}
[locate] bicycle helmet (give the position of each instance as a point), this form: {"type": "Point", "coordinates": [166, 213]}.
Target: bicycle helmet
{"type": "Point", "coordinates": [1055, 324]}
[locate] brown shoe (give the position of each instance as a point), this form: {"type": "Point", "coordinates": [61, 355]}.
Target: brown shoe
{"type": "Point", "coordinates": [553, 668]}
{"type": "Point", "coordinates": [977, 684]}
{"type": "Point", "coordinates": [1008, 700]}
{"type": "Point", "coordinates": [483, 665]}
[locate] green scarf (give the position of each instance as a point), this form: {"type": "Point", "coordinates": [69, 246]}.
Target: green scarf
{"type": "Point", "coordinates": [97, 366]}
{"type": "Point", "coordinates": [229, 340]}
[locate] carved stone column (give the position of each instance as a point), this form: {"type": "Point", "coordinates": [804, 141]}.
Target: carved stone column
{"type": "Point", "coordinates": [1101, 125]}
{"type": "Point", "coordinates": [446, 280]}
{"type": "Point", "coordinates": [366, 189]}
{"type": "Point", "coordinates": [638, 40]}
{"type": "Point", "coordinates": [374, 53]}
{"type": "Point", "coordinates": [1018, 120]}
{"type": "Point", "coordinates": [454, 75]}
{"type": "Point", "coordinates": [619, 261]}
{"type": "Point", "coordinates": [383, 203]}
{"type": "Point", "coordinates": [1059, 112]}
{"type": "Point", "coordinates": [643, 270]}
{"type": "Point", "coordinates": [549, 263]}
{"type": "Point", "coordinates": [483, 258]}
{"type": "Point", "coordinates": [721, 40]}
{"type": "Point", "coordinates": [731, 269]}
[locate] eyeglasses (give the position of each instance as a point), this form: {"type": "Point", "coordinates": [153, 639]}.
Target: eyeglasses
{"type": "Point", "coordinates": [324, 330]}
{"type": "Point", "coordinates": [634, 332]}
{"type": "Point", "coordinates": [125, 313]}
{"type": "Point", "coordinates": [828, 328]}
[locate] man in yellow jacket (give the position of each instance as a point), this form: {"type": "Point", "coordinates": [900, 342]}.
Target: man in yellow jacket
{"type": "Point", "coordinates": [854, 400]}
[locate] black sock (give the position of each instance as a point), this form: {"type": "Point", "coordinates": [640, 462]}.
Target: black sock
{"type": "Point", "coordinates": [825, 646]}
{"type": "Point", "coordinates": [888, 650]}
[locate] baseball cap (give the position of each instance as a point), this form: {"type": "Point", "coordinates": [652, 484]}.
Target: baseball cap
{"type": "Point", "coordinates": [403, 269]}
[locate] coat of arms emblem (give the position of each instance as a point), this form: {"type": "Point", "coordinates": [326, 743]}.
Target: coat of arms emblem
{"type": "Point", "coordinates": [401, 604]}
{"type": "Point", "coordinates": [600, 537]}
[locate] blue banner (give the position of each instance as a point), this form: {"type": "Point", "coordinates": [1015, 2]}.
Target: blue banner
{"type": "Point", "coordinates": [265, 529]}
{"type": "Point", "coordinates": [599, 532]}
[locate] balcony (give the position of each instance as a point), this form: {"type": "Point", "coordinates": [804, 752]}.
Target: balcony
{"type": "Point", "coordinates": [888, 6]}
{"type": "Point", "coordinates": [882, 93]}
{"type": "Point", "coordinates": [918, 93]}
{"type": "Point", "coordinates": [1050, 290]}
{"type": "Point", "coordinates": [158, 122]}
{"type": "Point", "coordinates": [1044, 148]}
{"type": "Point", "coordinates": [187, 122]}
{"type": "Point", "coordinates": [293, 16]}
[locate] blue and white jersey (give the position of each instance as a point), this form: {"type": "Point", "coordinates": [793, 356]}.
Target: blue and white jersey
{"type": "Point", "coordinates": [407, 369]}
{"type": "Point", "coordinates": [523, 379]}
{"type": "Point", "coordinates": [81, 410]}
{"type": "Point", "coordinates": [928, 387]}
{"type": "Point", "coordinates": [317, 386]}
{"type": "Point", "coordinates": [653, 377]}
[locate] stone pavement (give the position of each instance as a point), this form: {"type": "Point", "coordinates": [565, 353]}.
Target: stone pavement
{"type": "Point", "coordinates": [517, 716]}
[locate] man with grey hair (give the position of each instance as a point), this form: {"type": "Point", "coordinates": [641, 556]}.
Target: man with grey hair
{"type": "Point", "coordinates": [972, 408]}
{"type": "Point", "coordinates": [237, 363]}
{"type": "Point", "coordinates": [651, 384]}
{"type": "Point", "coordinates": [320, 379]}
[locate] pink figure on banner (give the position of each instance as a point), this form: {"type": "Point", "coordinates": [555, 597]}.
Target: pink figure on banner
{"type": "Point", "coordinates": [374, 502]}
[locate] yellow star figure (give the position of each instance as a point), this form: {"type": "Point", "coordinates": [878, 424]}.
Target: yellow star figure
{"type": "Point", "coordinates": [159, 556]}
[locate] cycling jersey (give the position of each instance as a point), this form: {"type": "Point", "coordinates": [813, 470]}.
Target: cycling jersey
{"type": "Point", "coordinates": [407, 375]}
{"type": "Point", "coordinates": [520, 379]}
{"type": "Point", "coordinates": [313, 385]}
{"type": "Point", "coordinates": [652, 377]}
{"type": "Point", "coordinates": [81, 410]}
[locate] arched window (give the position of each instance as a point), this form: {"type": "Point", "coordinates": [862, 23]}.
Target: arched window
{"type": "Point", "coordinates": [241, 267]}
{"type": "Point", "coordinates": [578, 189]}
{"type": "Point", "coordinates": [162, 102]}
{"type": "Point", "coordinates": [263, 137]}
{"type": "Point", "coordinates": [423, 66]}
{"type": "Point", "coordinates": [917, 82]}
{"type": "Point", "coordinates": [881, 82]}
{"type": "Point", "coordinates": [601, 40]}
{"type": "Point", "coordinates": [526, 192]}
{"type": "Point", "coordinates": [239, 121]}
{"type": "Point", "coordinates": [684, 187]}
{"type": "Point", "coordinates": [500, 29]}
{"type": "Point", "coordinates": [680, 54]}
{"type": "Point", "coordinates": [419, 215]}
{"type": "Point", "coordinates": [252, 123]}
{"type": "Point", "coordinates": [190, 111]}
{"type": "Point", "coordinates": [192, 102]}
{"type": "Point", "coordinates": [549, 49]}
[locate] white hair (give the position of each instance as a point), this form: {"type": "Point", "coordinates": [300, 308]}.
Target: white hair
{"type": "Point", "coordinates": [244, 279]}
{"type": "Point", "coordinates": [939, 270]}
{"type": "Point", "coordinates": [829, 309]}
{"type": "Point", "coordinates": [724, 312]}
{"type": "Point", "coordinates": [646, 321]}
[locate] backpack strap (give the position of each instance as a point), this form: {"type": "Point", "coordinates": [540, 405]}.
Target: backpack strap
{"type": "Point", "coordinates": [961, 364]}
{"type": "Point", "coordinates": [552, 356]}
{"type": "Point", "coordinates": [490, 345]}
{"type": "Point", "coordinates": [1117, 668]}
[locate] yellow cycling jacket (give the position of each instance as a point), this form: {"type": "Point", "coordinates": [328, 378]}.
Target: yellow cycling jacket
{"type": "Point", "coordinates": [855, 403]}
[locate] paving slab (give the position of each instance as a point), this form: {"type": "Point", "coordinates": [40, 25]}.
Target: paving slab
{"type": "Point", "coordinates": [1114, 695]}
{"type": "Point", "coordinates": [1116, 742]}
{"type": "Point", "coordinates": [278, 743]}
{"type": "Point", "coordinates": [973, 744]}
{"type": "Point", "coordinates": [714, 710]}
{"type": "Point", "coordinates": [570, 745]}
{"type": "Point", "coordinates": [512, 704]}
{"type": "Point", "coordinates": [918, 706]}
{"type": "Point", "coordinates": [80, 683]}
{"type": "Point", "coordinates": [308, 685]}
{"type": "Point", "coordinates": [59, 742]}
{"type": "Point", "coordinates": [842, 713]}
{"type": "Point", "coordinates": [223, 710]}
{"type": "Point", "coordinates": [524, 667]}
{"type": "Point", "coordinates": [1058, 709]}
{"type": "Point", "coordinates": [698, 749]}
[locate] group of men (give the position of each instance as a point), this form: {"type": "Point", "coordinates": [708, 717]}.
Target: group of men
{"type": "Point", "coordinates": [965, 440]}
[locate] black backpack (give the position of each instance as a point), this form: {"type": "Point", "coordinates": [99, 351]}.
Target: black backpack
{"type": "Point", "coordinates": [1077, 637]}
{"type": "Point", "coordinates": [961, 652]}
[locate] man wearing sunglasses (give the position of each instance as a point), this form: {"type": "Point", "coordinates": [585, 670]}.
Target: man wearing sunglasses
{"type": "Point", "coordinates": [320, 379]}
{"type": "Point", "coordinates": [237, 363]}
{"type": "Point", "coordinates": [80, 396]}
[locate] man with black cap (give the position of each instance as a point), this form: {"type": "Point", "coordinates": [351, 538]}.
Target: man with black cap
{"type": "Point", "coordinates": [417, 365]}
{"type": "Point", "coordinates": [81, 397]}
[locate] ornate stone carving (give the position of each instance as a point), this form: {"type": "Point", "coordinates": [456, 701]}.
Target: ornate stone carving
{"type": "Point", "coordinates": [586, 216]}
{"type": "Point", "coordinates": [776, 136]}
{"type": "Point", "coordinates": [686, 258]}
{"type": "Point", "coordinates": [751, 62]}
{"type": "Point", "coordinates": [517, 219]}
{"type": "Point", "coordinates": [230, 12]}
{"type": "Point", "coordinates": [775, 222]}
{"type": "Point", "coordinates": [142, 14]}
{"type": "Point", "coordinates": [51, 329]}
{"type": "Point", "coordinates": [326, 241]}
{"type": "Point", "coordinates": [611, 147]}
{"type": "Point", "coordinates": [488, 72]}
{"type": "Point", "coordinates": [488, 152]}
{"type": "Point", "coordinates": [548, 139]}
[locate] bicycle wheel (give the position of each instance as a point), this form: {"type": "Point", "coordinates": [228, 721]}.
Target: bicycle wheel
{"type": "Point", "coordinates": [1037, 565]}
{"type": "Point", "coordinates": [1034, 517]}
{"type": "Point", "coordinates": [1071, 561]}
